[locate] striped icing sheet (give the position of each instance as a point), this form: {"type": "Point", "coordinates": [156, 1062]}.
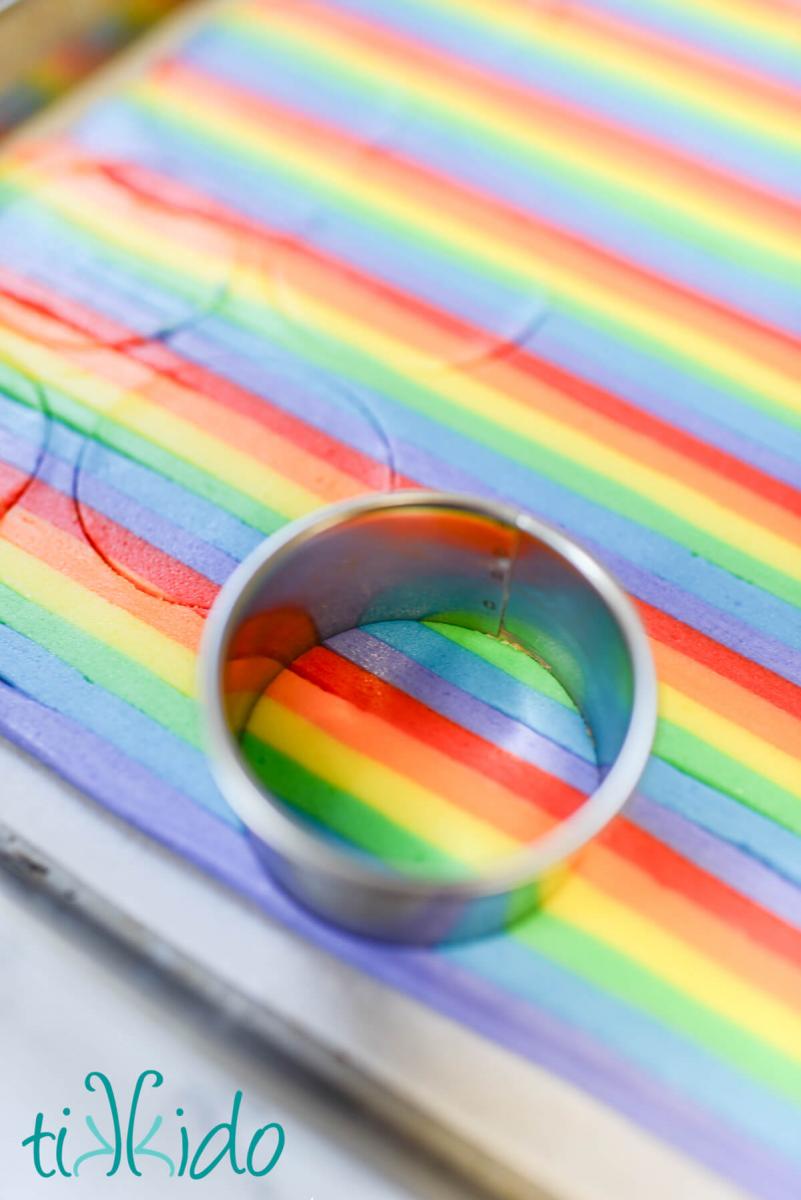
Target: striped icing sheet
{"type": "Point", "coordinates": [547, 252]}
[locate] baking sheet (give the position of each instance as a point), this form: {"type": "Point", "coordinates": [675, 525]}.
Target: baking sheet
{"type": "Point", "coordinates": [543, 253]}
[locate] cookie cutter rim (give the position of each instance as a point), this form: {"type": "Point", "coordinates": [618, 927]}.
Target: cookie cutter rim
{"type": "Point", "coordinates": [325, 879]}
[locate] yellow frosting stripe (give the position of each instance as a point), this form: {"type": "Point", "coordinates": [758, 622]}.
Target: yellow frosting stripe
{"type": "Point", "coordinates": [132, 410]}
{"type": "Point", "coordinates": [668, 335]}
{"type": "Point", "coordinates": [162, 248]}
{"type": "Point", "coordinates": [679, 964]}
{"type": "Point", "coordinates": [83, 608]}
{"type": "Point", "coordinates": [408, 804]}
{"type": "Point", "coordinates": [466, 392]}
{"type": "Point", "coordinates": [732, 739]}
{"type": "Point", "coordinates": [503, 124]}
{"type": "Point", "coordinates": [593, 49]}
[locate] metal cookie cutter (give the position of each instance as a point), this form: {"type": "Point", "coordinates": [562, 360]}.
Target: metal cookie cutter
{"type": "Point", "coordinates": [414, 555]}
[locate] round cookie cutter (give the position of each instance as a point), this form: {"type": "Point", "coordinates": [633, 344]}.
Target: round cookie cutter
{"type": "Point", "coordinates": [416, 555]}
